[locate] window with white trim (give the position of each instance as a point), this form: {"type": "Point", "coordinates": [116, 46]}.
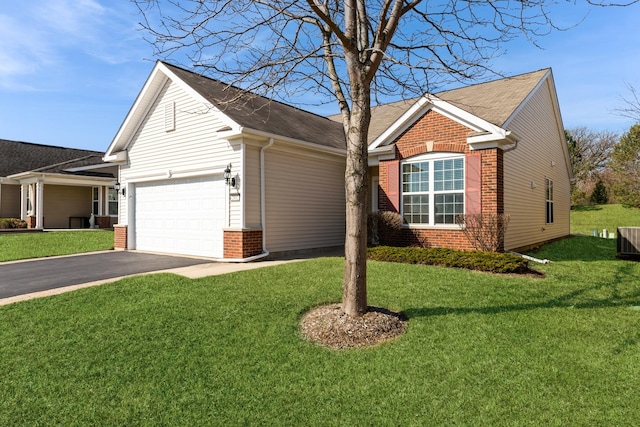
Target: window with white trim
{"type": "Point", "coordinates": [549, 200]}
{"type": "Point", "coordinates": [433, 189]}
{"type": "Point", "coordinates": [112, 202]}
{"type": "Point", "coordinates": [95, 200]}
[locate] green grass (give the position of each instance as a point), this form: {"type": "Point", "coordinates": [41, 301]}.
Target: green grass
{"type": "Point", "coordinates": [480, 349]}
{"type": "Point", "coordinates": [586, 218]}
{"type": "Point", "coordinates": [15, 246]}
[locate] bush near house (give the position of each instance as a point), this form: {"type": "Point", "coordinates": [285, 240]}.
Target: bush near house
{"type": "Point", "coordinates": [472, 260]}
{"type": "Point", "coordinates": [7, 223]}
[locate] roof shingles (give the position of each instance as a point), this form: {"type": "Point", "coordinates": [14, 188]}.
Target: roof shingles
{"type": "Point", "coordinates": [262, 114]}
{"type": "Point", "coordinates": [18, 156]}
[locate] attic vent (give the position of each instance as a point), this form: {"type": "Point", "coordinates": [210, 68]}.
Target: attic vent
{"type": "Point", "coordinates": [628, 242]}
{"type": "Point", "coordinates": [169, 116]}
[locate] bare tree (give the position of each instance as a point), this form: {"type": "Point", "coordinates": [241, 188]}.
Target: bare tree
{"type": "Point", "coordinates": [630, 104]}
{"type": "Point", "coordinates": [590, 151]}
{"type": "Point", "coordinates": [354, 51]}
{"type": "Point", "coordinates": [485, 232]}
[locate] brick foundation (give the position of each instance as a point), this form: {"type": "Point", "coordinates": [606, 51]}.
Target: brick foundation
{"type": "Point", "coordinates": [120, 236]}
{"type": "Point", "coordinates": [242, 243]}
{"type": "Point", "coordinates": [105, 221]}
{"type": "Point", "coordinates": [426, 238]}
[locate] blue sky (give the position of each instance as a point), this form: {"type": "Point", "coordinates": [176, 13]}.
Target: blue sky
{"type": "Point", "coordinates": [71, 69]}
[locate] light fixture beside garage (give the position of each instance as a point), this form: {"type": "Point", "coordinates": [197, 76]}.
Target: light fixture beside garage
{"type": "Point", "coordinates": [231, 181]}
{"type": "Point", "coordinates": [117, 187]}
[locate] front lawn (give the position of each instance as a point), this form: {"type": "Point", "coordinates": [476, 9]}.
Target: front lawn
{"type": "Point", "coordinates": [15, 246]}
{"type": "Point", "coordinates": [481, 349]}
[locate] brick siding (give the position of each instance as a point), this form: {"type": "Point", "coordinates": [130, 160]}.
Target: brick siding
{"type": "Point", "coordinates": [105, 221]}
{"type": "Point", "coordinates": [120, 236]}
{"type": "Point", "coordinates": [242, 243]}
{"type": "Point", "coordinates": [437, 133]}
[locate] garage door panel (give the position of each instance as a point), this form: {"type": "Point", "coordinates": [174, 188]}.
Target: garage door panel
{"type": "Point", "coordinates": [182, 216]}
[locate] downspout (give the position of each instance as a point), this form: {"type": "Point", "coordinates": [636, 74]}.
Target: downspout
{"type": "Point", "coordinates": [263, 203]}
{"type": "Point", "coordinates": [263, 213]}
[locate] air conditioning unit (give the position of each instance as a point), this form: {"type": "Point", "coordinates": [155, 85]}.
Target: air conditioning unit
{"type": "Point", "coordinates": [628, 242]}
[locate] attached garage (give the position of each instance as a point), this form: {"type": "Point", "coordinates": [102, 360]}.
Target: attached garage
{"type": "Point", "coordinates": [180, 216]}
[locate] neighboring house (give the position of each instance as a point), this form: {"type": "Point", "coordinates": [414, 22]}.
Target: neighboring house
{"type": "Point", "coordinates": [56, 187]}
{"type": "Point", "coordinates": [207, 169]}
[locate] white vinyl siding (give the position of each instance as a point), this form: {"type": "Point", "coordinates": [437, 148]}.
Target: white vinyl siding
{"type": "Point", "coordinates": [305, 201]}
{"type": "Point", "coordinates": [251, 187]}
{"type": "Point", "coordinates": [194, 145]}
{"type": "Point", "coordinates": [539, 155]}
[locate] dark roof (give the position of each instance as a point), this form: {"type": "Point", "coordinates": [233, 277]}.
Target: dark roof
{"type": "Point", "coordinates": [262, 114]}
{"type": "Point", "coordinates": [18, 156]}
{"type": "Point", "coordinates": [90, 160]}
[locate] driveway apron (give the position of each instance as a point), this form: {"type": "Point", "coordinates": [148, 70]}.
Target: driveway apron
{"type": "Point", "coordinates": [19, 278]}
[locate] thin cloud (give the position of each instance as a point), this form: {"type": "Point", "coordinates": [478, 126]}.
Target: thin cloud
{"type": "Point", "coordinates": [48, 37]}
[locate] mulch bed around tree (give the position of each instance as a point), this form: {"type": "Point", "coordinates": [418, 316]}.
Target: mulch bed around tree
{"type": "Point", "coordinates": [329, 326]}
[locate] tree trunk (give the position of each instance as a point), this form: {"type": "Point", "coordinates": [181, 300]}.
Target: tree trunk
{"type": "Point", "coordinates": [354, 289]}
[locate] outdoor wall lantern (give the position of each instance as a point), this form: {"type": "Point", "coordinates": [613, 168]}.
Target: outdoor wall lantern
{"type": "Point", "coordinates": [231, 181]}
{"type": "Point", "coordinates": [118, 187]}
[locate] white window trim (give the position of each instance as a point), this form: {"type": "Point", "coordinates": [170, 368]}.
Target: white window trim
{"type": "Point", "coordinates": [430, 157]}
{"type": "Point", "coordinates": [548, 183]}
{"type": "Point", "coordinates": [116, 201]}
{"type": "Point", "coordinates": [96, 199]}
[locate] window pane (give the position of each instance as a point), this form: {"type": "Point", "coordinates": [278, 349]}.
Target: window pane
{"type": "Point", "coordinates": [450, 175]}
{"type": "Point", "coordinates": [95, 208]}
{"type": "Point", "coordinates": [415, 177]}
{"type": "Point", "coordinates": [113, 208]}
{"type": "Point", "coordinates": [416, 209]}
{"type": "Point", "coordinates": [448, 207]}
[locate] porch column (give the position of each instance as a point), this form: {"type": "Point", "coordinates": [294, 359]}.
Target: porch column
{"type": "Point", "coordinates": [101, 196]}
{"type": "Point", "coordinates": [24, 199]}
{"type": "Point", "coordinates": [39, 204]}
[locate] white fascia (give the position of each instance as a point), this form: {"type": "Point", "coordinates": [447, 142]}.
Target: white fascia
{"type": "Point", "coordinates": [160, 75]}
{"type": "Point", "coordinates": [386, 152]}
{"type": "Point", "coordinates": [486, 135]}
{"type": "Point", "coordinates": [409, 117]}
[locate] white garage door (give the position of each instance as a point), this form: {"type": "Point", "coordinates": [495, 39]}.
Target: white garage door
{"type": "Point", "coordinates": [181, 216]}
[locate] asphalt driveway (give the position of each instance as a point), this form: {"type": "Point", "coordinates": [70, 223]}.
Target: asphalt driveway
{"type": "Point", "coordinates": [24, 277]}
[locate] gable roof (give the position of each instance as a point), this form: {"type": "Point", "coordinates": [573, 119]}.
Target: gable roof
{"type": "Point", "coordinates": [18, 156]}
{"type": "Point", "coordinates": [262, 114]}
{"type": "Point", "coordinates": [494, 102]}
{"type": "Point", "coordinates": [485, 108]}
{"type": "Point", "coordinates": [243, 110]}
